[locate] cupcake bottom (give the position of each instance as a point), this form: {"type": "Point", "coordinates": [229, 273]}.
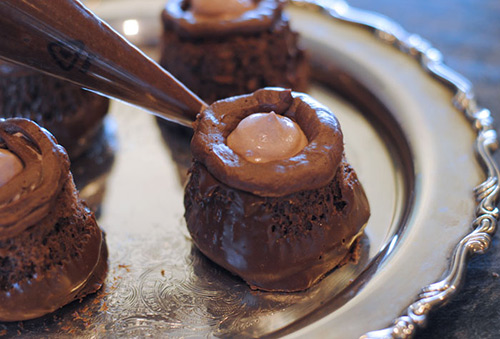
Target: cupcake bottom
{"type": "Point", "coordinates": [277, 244]}
{"type": "Point", "coordinates": [61, 258]}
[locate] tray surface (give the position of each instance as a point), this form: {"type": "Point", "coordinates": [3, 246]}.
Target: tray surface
{"type": "Point", "coordinates": [412, 150]}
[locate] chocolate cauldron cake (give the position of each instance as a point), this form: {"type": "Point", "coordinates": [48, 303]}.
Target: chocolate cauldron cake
{"type": "Point", "coordinates": [51, 249]}
{"type": "Point", "coordinates": [280, 225]}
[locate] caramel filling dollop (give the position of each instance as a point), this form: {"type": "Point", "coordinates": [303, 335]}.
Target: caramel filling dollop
{"type": "Point", "coordinates": [220, 8]}
{"type": "Point", "coordinates": [10, 166]}
{"type": "Point", "coordinates": [265, 137]}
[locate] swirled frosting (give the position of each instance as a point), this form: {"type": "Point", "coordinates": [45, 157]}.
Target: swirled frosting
{"type": "Point", "coordinates": [264, 137]}
{"type": "Point", "coordinates": [28, 196]}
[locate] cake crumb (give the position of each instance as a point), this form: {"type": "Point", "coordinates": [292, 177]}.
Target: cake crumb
{"type": "Point", "coordinates": [66, 328]}
{"type": "Point", "coordinates": [127, 267]}
{"type": "Point", "coordinates": [77, 316]}
{"type": "Point", "coordinates": [104, 307]}
{"type": "Point", "coordinates": [495, 274]}
{"type": "Point", "coordinates": [3, 332]}
{"type": "Point", "coordinates": [162, 273]}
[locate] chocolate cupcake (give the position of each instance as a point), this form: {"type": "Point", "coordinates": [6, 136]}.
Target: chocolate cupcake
{"type": "Point", "coordinates": [284, 218]}
{"type": "Point", "coordinates": [51, 249]}
{"type": "Point", "coordinates": [73, 115]}
{"type": "Point", "coordinates": [223, 48]}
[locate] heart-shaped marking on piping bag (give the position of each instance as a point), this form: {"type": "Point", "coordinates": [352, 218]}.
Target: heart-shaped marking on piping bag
{"type": "Point", "coordinates": [66, 53]}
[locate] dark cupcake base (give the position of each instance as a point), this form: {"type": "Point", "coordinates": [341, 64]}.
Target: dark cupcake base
{"type": "Point", "coordinates": [62, 258]}
{"type": "Point", "coordinates": [277, 244]}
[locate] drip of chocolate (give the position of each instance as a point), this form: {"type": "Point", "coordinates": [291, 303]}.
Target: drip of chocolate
{"type": "Point", "coordinates": [280, 225]}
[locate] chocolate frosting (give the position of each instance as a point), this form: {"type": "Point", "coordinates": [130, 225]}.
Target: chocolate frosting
{"type": "Point", "coordinates": [30, 195]}
{"type": "Point", "coordinates": [313, 167]}
{"type": "Point", "coordinates": [262, 17]}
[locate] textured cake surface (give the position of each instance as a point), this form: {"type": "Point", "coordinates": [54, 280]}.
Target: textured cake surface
{"type": "Point", "coordinates": [276, 243]}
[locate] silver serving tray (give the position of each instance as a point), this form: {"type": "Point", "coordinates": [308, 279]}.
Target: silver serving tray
{"type": "Point", "coordinates": [414, 144]}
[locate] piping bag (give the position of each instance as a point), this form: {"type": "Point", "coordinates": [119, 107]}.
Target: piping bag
{"type": "Point", "coordinates": [65, 39]}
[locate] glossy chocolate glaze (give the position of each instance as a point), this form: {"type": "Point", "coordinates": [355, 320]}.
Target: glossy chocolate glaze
{"type": "Point", "coordinates": [73, 280]}
{"type": "Point", "coordinates": [36, 205]}
{"type": "Point", "coordinates": [276, 243]}
{"type": "Point", "coordinates": [311, 168]}
{"type": "Point", "coordinates": [260, 18]}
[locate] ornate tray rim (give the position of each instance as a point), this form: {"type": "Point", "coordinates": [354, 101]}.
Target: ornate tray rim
{"type": "Point", "coordinates": [486, 214]}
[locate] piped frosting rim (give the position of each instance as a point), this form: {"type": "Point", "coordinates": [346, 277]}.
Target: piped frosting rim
{"type": "Point", "coordinates": [313, 167]}
{"type": "Point", "coordinates": [29, 196]}
{"type": "Point", "coordinates": [257, 19]}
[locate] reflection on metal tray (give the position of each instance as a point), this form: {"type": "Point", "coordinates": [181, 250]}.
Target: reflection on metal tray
{"type": "Point", "coordinates": [401, 134]}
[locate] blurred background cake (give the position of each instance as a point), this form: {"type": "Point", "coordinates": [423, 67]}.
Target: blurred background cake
{"type": "Point", "coordinates": [223, 48]}
{"type": "Point", "coordinates": [73, 115]}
